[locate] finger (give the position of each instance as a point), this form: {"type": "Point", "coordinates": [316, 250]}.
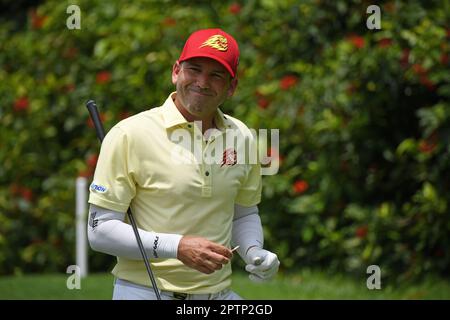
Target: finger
{"type": "Point", "coordinates": [208, 267]}
{"type": "Point", "coordinates": [221, 250]}
{"type": "Point", "coordinates": [270, 261]}
{"type": "Point", "coordinates": [218, 258]}
{"type": "Point", "coordinates": [255, 278]}
{"type": "Point", "coordinates": [262, 271]}
{"type": "Point", "coordinates": [257, 271]}
{"type": "Point", "coordinates": [214, 266]}
{"type": "Point", "coordinates": [263, 277]}
{"type": "Point", "coordinates": [204, 269]}
{"type": "Point", "coordinates": [249, 268]}
{"type": "Point", "coordinates": [211, 265]}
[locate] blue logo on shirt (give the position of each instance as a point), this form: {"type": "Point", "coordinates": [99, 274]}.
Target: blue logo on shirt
{"type": "Point", "coordinates": [99, 188]}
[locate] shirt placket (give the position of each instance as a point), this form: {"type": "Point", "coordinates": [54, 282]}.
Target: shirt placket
{"type": "Point", "coordinates": [207, 173]}
{"type": "Point", "coordinates": [206, 168]}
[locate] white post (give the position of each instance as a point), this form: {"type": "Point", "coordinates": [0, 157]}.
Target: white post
{"type": "Point", "coordinates": [81, 227]}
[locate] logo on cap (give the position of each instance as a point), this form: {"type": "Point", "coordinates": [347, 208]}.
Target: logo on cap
{"type": "Point", "coordinates": [217, 42]}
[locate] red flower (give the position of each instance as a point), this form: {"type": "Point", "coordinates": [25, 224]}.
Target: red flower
{"type": "Point", "coordinates": [404, 60]}
{"type": "Point", "coordinates": [361, 232]}
{"type": "Point", "coordinates": [21, 104]}
{"type": "Point", "coordinates": [444, 59]}
{"type": "Point", "coordinates": [422, 72]}
{"type": "Point", "coordinates": [70, 53]}
{"type": "Point", "coordinates": [26, 193]}
{"type": "Point", "coordinates": [263, 103]}
{"type": "Point", "coordinates": [389, 7]}
{"type": "Point", "coordinates": [385, 42]}
{"type": "Point", "coordinates": [269, 155]}
{"type": "Point", "coordinates": [68, 88]}
{"type": "Point", "coordinates": [357, 41]}
{"type": "Point", "coordinates": [92, 160]}
{"type": "Point", "coordinates": [37, 21]}
{"type": "Point", "coordinates": [90, 123]}
{"type": "Point", "coordinates": [288, 82]}
{"type": "Point", "coordinates": [235, 8]}
{"type": "Point", "coordinates": [86, 173]}
{"type": "Point", "coordinates": [418, 69]}
{"type": "Point", "coordinates": [14, 189]}
{"type": "Point", "coordinates": [429, 145]}
{"type": "Point", "coordinates": [275, 154]}
{"type": "Point", "coordinates": [351, 88]}
{"type": "Point", "coordinates": [124, 115]}
{"type": "Point", "coordinates": [103, 77]}
{"type": "Point", "coordinates": [169, 22]}
{"type": "Point", "coordinates": [262, 100]}
{"type": "Point", "coordinates": [427, 82]}
{"type": "Point", "coordinates": [57, 242]}
{"type": "Point", "coordinates": [300, 186]}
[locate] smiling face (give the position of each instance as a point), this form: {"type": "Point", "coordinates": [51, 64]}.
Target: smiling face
{"type": "Point", "coordinates": [202, 85]}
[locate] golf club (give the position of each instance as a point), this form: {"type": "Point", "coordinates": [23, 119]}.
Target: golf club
{"type": "Point", "coordinates": [92, 107]}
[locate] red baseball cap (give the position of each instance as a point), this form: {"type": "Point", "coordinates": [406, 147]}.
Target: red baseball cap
{"type": "Point", "coordinates": [215, 44]}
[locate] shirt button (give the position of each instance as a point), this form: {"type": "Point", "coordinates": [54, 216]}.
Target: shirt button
{"type": "Point", "coordinates": [189, 126]}
{"type": "Point", "coordinates": [207, 173]}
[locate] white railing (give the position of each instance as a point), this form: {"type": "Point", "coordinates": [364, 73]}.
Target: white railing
{"type": "Point", "coordinates": [81, 213]}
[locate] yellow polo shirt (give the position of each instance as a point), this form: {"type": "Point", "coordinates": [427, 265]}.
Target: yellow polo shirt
{"type": "Point", "coordinates": [176, 182]}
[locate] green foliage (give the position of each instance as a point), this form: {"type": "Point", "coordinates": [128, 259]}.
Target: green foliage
{"type": "Point", "coordinates": [363, 115]}
{"type": "Point", "coordinates": [304, 285]}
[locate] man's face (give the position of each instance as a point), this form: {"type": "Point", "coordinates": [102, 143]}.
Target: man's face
{"type": "Point", "coordinates": [202, 85]}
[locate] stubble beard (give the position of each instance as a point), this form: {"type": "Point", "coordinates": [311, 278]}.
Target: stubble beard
{"type": "Point", "coordinates": [196, 106]}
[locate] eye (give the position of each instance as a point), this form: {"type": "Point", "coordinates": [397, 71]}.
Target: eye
{"type": "Point", "coordinates": [217, 76]}
{"type": "Point", "coordinates": [195, 69]}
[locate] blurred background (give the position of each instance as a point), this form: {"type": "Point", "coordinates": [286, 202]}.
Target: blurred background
{"type": "Point", "coordinates": [364, 120]}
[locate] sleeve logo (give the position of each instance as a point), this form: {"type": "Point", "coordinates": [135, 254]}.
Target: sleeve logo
{"type": "Point", "coordinates": [98, 188]}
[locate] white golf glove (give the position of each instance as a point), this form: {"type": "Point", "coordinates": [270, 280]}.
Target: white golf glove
{"type": "Point", "coordinates": [262, 264]}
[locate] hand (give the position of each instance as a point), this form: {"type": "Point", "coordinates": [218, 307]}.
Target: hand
{"type": "Point", "coordinates": [262, 264]}
{"type": "Point", "coordinates": [203, 255]}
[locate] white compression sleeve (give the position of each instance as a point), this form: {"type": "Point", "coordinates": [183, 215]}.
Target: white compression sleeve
{"type": "Point", "coordinates": [247, 229]}
{"type": "Point", "coordinates": [108, 233]}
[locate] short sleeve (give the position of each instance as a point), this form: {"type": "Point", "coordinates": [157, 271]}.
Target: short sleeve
{"type": "Point", "coordinates": [249, 194]}
{"type": "Point", "coordinates": [113, 186]}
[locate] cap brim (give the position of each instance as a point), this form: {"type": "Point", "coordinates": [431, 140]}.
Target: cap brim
{"type": "Point", "coordinates": [205, 55]}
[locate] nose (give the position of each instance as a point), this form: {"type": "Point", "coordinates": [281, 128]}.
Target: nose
{"type": "Point", "coordinates": [202, 81]}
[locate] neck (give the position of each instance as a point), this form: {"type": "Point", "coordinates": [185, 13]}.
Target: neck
{"type": "Point", "coordinates": [207, 122]}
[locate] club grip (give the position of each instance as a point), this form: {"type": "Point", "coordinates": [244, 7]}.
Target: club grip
{"type": "Point", "coordinates": [95, 116]}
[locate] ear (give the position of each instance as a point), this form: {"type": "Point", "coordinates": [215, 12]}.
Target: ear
{"type": "Point", "coordinates": [233, 86]}
{"type": "Point", "coordinates": [175, 71]}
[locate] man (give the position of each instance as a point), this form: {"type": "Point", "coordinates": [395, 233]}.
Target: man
{"type": "Point", "coordinates": [189, 211]}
